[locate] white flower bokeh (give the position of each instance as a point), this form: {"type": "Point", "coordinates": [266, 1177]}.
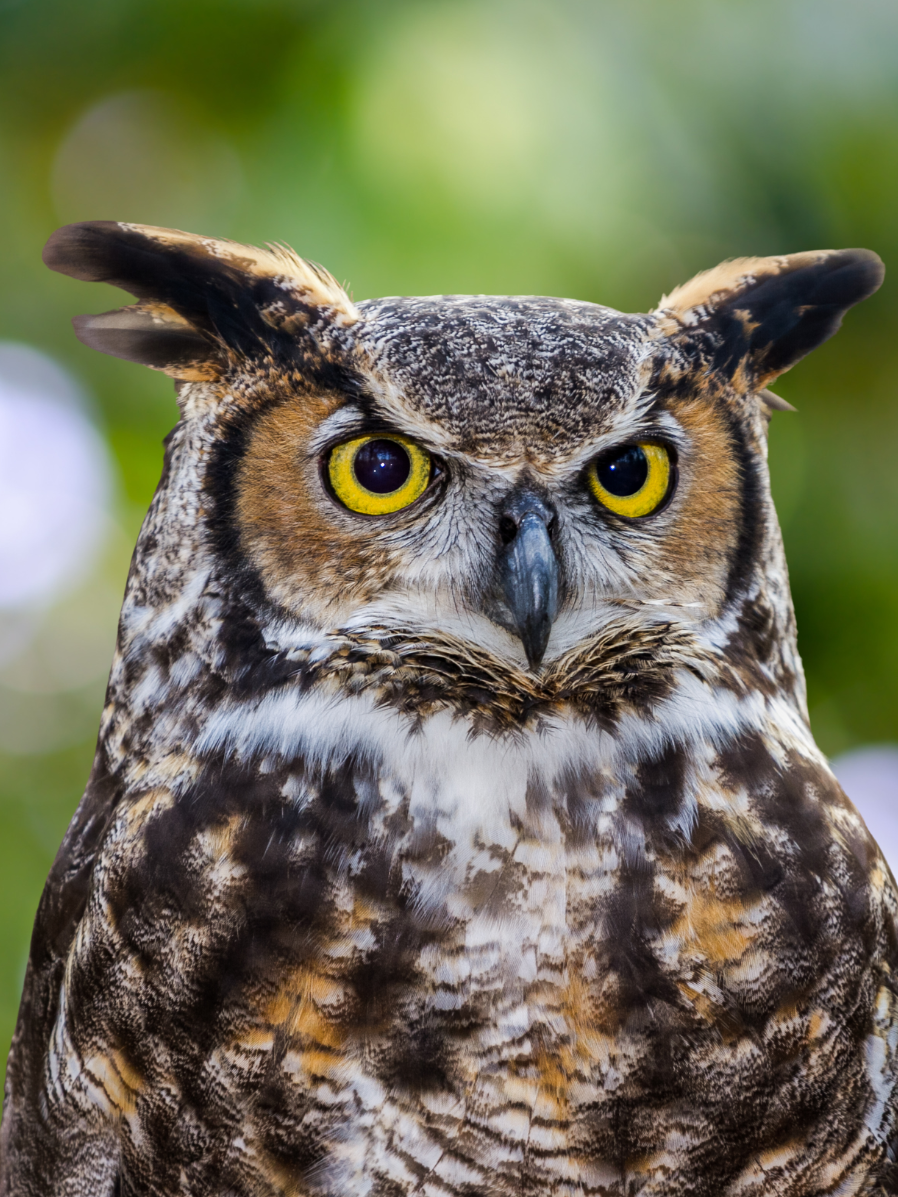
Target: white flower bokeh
{"type": "Point", "coordinates": [55, 480]}
{"type": "Point", "coordinates": [62, 556]}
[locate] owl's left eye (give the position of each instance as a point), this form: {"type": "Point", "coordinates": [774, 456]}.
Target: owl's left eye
{"type": "Point", "coordinates": [379, 473]}
{"type": "Point", "coordinates": [633, 480]}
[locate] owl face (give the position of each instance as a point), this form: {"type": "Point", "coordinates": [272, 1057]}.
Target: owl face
{"type": "Point", "coordinates": [467, 484]}
{"type": "Point", "coordinates": [513, 473]}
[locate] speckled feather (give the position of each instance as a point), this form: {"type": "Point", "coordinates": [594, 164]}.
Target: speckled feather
{"type": "Point", "coordinates": [357, 902]}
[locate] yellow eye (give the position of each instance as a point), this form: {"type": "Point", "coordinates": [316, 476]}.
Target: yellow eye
{"type": "Point", "coordinates": [633, 480]}
{"type": "Point", "coordinates": [378, 473]}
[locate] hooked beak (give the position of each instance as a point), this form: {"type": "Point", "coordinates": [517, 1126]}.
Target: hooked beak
{"type": "Point", "coordinates": [529, 572]}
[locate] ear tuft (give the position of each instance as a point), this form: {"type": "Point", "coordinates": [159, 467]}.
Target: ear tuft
{"type": "Point", "coordinates": [202, 301]}
{"type": "Point", "coordinates": [762, 315]}
{"type": "Point", "coordinates": [153, 335]}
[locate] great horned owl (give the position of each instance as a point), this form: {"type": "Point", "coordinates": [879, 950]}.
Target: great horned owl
{"type": "Point", "coordinates": [455, 826]}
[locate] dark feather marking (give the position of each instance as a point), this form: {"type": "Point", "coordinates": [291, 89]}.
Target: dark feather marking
{"type": "Point", "coordinates": [657, 791]}
{"type": "Point", "coordinates": [418, 1057]}
{"type": "Point", "coordinates": [751, 531]}
{"type": "Point", "coordinates": [122, 334]}
{"type": "Point", "coordinates": [281, 1117]}
{"type": "Point", "coordinates": [751, 649]}
{"type": "Point", "coordinates": [634, 917]}
{"type": "Point", "coordinates": [582, 789]}
{"type": "Point", "coordinates": [745, 761]}
{"type": "Point", "coordinates": [792, 312]}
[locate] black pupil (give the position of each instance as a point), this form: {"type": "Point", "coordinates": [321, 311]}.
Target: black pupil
{"type": "Point", "coordinates": [624, 472]}
{"type": "Point", "coordinates": [382, 466]}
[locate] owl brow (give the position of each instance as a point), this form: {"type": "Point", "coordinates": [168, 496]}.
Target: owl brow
{"type": "Point", "coordinates": [356, 419]}
{"type": "Point", "coordinates": [653, 421]}
{"type": "Point", "coordinates": [349, 421]}
{"type": "Point", "coordinates": [652, 413]}
{"type": "Point", "coordinates": [663, 423]}
{"type": "Point", "coordinates": [343, 422]}
{"type": "Point", "coordinates": [647, 403]}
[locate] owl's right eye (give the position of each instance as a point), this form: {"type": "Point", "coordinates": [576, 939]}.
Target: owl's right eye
{"type": "Point", "coordinates": [379, 473]}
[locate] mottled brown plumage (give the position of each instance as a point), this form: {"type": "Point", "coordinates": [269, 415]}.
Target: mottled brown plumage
{"type": "Point", "coordinates": [381, 886]}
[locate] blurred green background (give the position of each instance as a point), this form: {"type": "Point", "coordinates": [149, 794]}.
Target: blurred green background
{"type": "Point", "coordinates": [604, 151]}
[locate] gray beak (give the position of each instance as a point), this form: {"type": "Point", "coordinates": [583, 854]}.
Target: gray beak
{"type": "Point", "coordinates": [529, 572]}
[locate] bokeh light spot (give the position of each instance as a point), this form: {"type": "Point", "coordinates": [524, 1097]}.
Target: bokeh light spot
{"type": "Point", "coordinates": [55, 480]}
{"type": "Point", "coordinates": [869, 776]}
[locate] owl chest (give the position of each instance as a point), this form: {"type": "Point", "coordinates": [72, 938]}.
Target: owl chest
{"type": "Point", "coordinates": [446, 955]}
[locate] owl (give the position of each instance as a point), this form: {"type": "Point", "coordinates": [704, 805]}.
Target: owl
{"type": "Point", "coordinates": [456, 828]}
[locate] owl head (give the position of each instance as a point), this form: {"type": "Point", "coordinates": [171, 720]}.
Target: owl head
{"type": "Point", "coordinates": [479, 483]}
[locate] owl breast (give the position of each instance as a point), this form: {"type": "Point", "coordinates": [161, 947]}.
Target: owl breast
{"type": "Point", "coordinates": [453, 962]}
